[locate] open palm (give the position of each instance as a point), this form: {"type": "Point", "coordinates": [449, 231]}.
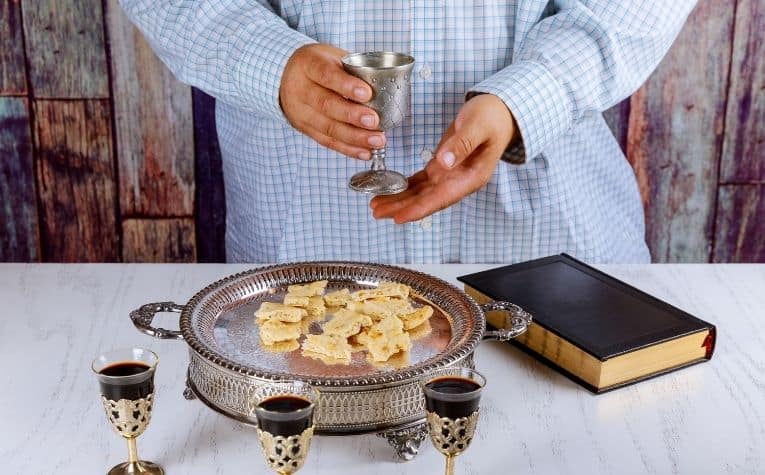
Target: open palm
{"type": "Point", "coordinates": [465, 161]}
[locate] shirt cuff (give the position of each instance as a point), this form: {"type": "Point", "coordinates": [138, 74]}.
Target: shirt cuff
{"type": "Point", "coordinates": [538, 103]}
{"type": "Point", "coordinates": [258, 72]}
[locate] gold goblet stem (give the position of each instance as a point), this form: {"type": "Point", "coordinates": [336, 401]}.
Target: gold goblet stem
{"type": "Point", "coordinates": [132, 450]}
{"type": "Point", "coordinates": [450, 465]}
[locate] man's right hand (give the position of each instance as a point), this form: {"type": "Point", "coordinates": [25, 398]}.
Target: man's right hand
{"type": "Point", "coordinates": [313, 96]}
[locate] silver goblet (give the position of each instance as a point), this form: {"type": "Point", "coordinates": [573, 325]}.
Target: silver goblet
{"type": "Point", "coordinates": [388, 74]}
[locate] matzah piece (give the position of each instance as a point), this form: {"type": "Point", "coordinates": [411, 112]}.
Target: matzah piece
{"type": "Point", "coordinates": [417, 317]}
{"type": "Point", "coordinates": [307, 290]}
{"type": "Point", "coordinates": [379, 308]}
{"type": "Point", "coordinates": [279, 312]}
{"type": "Point", "coordinates": [272, 331]}
{"type": "Point", "coordinates": [385, 289]}
{"type": "Point", "coordinates": [346, 323]}
{"type": "Point", "coordinates": [337, 298]}
{"type": "Point", "coordinates": [333, 346]}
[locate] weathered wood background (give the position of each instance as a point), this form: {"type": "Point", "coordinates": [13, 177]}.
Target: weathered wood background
{"type": "Point", "coordinates": [105, 157]}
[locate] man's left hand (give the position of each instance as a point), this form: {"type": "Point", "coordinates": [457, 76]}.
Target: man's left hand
{"type": "Point", "coordinates": [464, 162]}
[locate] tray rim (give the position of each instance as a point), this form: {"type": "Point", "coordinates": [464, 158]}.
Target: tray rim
{"type": "Point", "coordinates": [467, 347]}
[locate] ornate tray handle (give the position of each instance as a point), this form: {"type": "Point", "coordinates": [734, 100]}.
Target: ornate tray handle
{"type": "Point", "coordinates": [516, 322]}
{"type": "Point", "coordinates": [143, 316]}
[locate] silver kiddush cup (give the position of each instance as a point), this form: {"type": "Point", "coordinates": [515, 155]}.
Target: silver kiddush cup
{"type": "Point", "coordinates": [388, 74]}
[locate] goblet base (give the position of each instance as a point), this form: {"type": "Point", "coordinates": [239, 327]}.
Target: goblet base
{"type": "Point", "coordinates": [142, 467]}
{"type": "Point", "coordinates": [378, 182]}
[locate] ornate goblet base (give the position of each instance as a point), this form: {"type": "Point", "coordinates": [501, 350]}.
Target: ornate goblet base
{"type": "Point", "coordinates": [378, 182]}
{"type": "Point", "coordinates": [141, 466]}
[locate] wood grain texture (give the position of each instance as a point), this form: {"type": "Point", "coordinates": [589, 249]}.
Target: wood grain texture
{"type": "Point", "coordinates": [19, 236]}
{"type": "Point", "coordinates": [75, 174]}
{"type": "Point", "coordinates": [675, 136]}
{"type": "Point", "coordinates": [210, 199]}
{"type": "Point", "coordinates": [740, 224]}
{"type": "Point", "coordinates": [13, 80]}
{"type": "Point", "coordinates": [154, 124]}
{"type": "Point", "coordinates": [65, 47]}
{"type": "Point", "coordinates": [743, 158]}
{"type": "Point", "coordinates": [617, 119]}
{"type": "Point", "coordinates": [158, 240]}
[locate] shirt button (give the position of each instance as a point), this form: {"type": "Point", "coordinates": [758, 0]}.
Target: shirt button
{"type": "Point", "coordinates": [425, 71]}
{"type": "Point", "coordinates": [426, 223]}
{"type": "Point", "coordinates": [426, 155]}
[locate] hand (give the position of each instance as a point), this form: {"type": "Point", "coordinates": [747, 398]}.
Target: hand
{"type": "Point", "coordinates": [313, 96]}
{"type": "Point", "coordinates": [464, 162]}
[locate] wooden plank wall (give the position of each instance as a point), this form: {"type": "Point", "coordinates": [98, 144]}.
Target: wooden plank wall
{"type": "Point", "coordinates": [105, 157]}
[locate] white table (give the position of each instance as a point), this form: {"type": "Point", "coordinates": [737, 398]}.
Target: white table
{"type": "Point", "coordinates": [709, 418]}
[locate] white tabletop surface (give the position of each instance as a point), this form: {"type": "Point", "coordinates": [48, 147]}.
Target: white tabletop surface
{"type": "Point", "coordinates": [705, 419]}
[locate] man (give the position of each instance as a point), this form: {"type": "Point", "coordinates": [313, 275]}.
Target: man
{"type": "Point", "coordinates": [509, 156]}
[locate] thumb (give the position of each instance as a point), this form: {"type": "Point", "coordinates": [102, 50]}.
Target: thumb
{"type": "Point", "coordinates": [465, 138]}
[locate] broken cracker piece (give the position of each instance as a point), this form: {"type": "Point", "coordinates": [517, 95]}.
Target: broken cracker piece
{"type": "Point", "coordinates": [307, 290]}
{"type": "Point", "coordinates": [332, 346]}
{"type": "Point", "coordinates": [272, 331]}
{"type": "Point", "coordinates": [417, 317]}
{"type": "Point", "coordinates": [346, 323]}
{"type": "Point", "coordinates": [384, 289]}
{"type": "Point", "coordinates": [337, 298]}
{"type": "Point", "coordinates": [279, 312]}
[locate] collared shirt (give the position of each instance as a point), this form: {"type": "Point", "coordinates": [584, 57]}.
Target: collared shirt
{"type": "Point", "coordinates": [556, 65]}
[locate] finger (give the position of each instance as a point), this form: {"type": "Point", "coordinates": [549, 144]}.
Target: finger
{"type": "Point", "coordinates": [389, 209]}
{"type": "Point", "coordinates": [460, 140]}
{"type": "Point", "coordinates": [413, 182]}
{"type": "Point", "coordinates": [338, 146]}
{"type": "Point", "coordinates": [330, 104]}
{"type": "Point", "coordinates": [346, 133]}
{"type": "Point", "coordinates": [429, 200]}
{"type": "Point", "coordinates": [330, 74]}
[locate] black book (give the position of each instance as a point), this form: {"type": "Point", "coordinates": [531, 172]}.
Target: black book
{"type": "Point", "coordinates": [595, 329]}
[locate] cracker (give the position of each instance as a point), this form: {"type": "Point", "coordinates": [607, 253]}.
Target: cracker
{"type": "Point", "coordinates": [346, 323]}
{"type": "Point", "coordinates": [279, 312]}
{"type": "Point", "coordinates": [307, 290]}
{"type": "Point", "coordinates": [380, 308]}
{"type": "Point", "coordinates": [282, 346]}
{"type": "Point", "coordinates": [272, 331]}
{"type": "Point", "coordinates": [337, 298]}
{"type": "Point", "coordinates": [384, 289]}
{"type": "Point", "coordinates": [332, 346]}
{"type": "Point", "coordinates": [416, 318]}
{"type": "Point", "coordinates": [296, 300]}
{"type": "Point", "coordinates": [381, 349]}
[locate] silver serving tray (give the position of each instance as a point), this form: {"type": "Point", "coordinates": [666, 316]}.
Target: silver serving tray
{"type": "Point", "coordinates": [227, 361]}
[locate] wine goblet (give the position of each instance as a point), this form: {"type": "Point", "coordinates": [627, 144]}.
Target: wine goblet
{"type": "Point", "coordinates": [452, 397]}
{"type": "Point", "coordinates": [126, 380]}
{"type": "Point", "coordinates": [388, 74]}
{"type": "Point", "coordinates": [284, 411]}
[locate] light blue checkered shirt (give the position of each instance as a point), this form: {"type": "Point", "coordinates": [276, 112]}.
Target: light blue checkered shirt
{"type": "Point", "coordinates": [556, 65]}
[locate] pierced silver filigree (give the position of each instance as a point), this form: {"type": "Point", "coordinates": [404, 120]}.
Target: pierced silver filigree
{"type": "Point", "coordinates": [452, 436]}
{"type": "Point", "coordinates": [129, 417]}
{"type": "Point", "coordinates": [285, 454]}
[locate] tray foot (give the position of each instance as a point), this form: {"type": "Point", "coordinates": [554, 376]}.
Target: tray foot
{"type": "Point", "coordinates": [406, 442]}
{"type": "Point", "coordinates": [188, 394]}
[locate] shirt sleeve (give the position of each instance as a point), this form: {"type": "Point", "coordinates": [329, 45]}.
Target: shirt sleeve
{"type": "Point", "coordinates": [234, 50]}
{"type": "Point", "coordinates": [583, 59]}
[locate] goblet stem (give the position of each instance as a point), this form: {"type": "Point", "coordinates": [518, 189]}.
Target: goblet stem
{"type": "Point", "coordinates": [449, 465]}
{"type": "Point", "coordinates": [132, 450]}
{"type": "Point", "coordinates": [378, 159]}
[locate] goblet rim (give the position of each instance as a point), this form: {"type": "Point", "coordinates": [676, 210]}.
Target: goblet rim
{"type": "Point", "coordinates": [409, 60]}
{"type": "Point", "coordinates": [105, 377]}
{"type": "Point", "coordinates": [312, 400]}
{"type": "Point", "coordinates": [454, 371]}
